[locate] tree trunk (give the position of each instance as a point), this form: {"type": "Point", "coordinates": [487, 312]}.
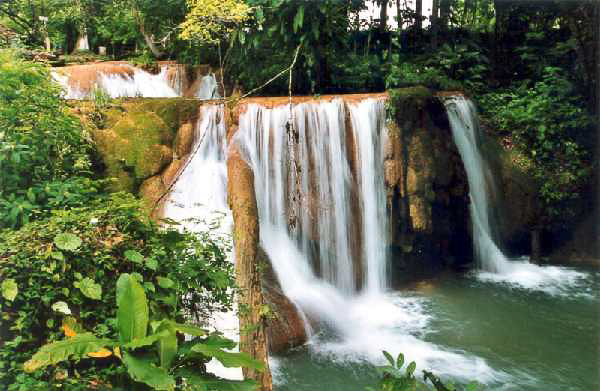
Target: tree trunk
{"type": "Point", "coordinates": [242, 201]}
{"type": "Point", "coordinates": [434, 20]}
{"type": "Point", "coordinates": [147, 37]}
{"type": "Point", "coordinates": [383, 16]}
{"type": "Point", "coordinates": [419, 13]}
{"type": "Point", "coordinates": [444, 20]}
{"type": "Point", "coordinates": [399, 14]}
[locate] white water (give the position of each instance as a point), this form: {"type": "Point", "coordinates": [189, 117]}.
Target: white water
{"type": "Point", "coordinates": [494, 265]}
{"type": "Point", "coordinates": [208, 88]}
{"type": "Point", "coordinates": [142, 84]}
{"type": "Point", "coordinates": [315, 261]}
{"type": "Point", "coordinates": [198, 201]}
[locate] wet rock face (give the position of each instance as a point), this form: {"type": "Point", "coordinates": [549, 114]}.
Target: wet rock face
{"type": "Point", "coordinates": [427, 190]}
{"type": "Point", "coordinates": [284, 325]}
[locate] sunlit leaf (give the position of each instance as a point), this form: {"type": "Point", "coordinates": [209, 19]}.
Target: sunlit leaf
{"type": "Point", "coordinates": [67, 241]}
{"type": "Point", "coordinates": [10, 289]}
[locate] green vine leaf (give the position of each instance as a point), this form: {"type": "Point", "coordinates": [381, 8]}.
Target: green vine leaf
{"type": "Point", "coordinates": [134, 256]}
{"type": "Point", "coordinates": [90, 289]}
{"type": "Point", "coordinates": [67, 241]}
{"type": "Point", "coordinates": [10, 289]}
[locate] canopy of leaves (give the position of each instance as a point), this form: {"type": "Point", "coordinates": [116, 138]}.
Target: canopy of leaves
{"type": "Point", "coordinates": [209, 20]}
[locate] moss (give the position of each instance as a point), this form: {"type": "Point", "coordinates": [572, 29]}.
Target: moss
{"type": "Point", "coordinates": [405, 104]}
{"type": "Point", "coordinates": [138, 137]}
{"type": "Point", "coordinates": [173, 111]}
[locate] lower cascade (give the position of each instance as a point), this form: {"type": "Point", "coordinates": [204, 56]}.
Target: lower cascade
{"type": "Point", "coordinates": [318, 172]}
{"type": "Point", "coordinates": [320, 193]}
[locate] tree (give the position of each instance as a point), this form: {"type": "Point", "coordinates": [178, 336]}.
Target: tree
{"type": "Point", "coordinates": [208, 20]}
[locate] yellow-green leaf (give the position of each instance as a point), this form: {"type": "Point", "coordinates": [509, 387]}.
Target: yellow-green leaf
{"type": "Point", "coordinates": [9, 289]}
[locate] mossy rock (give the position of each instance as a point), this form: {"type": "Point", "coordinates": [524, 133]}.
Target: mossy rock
{"type": "Point", "coordinates": [138, 139]}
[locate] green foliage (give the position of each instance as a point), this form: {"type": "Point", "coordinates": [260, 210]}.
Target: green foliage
{"type": "Point", "coordinates": [78, 346]}
{"type": "Point", "coordinates": [54, 281]}
{"type": "Point", "coordinates": [207, 20]}
{"type": "Point", "coordinates": [132, 309]}
{"type": "Point", "coordinates": [44, 153]}
{"type": "Point", "coordinates": [393, 378]}
{"type": "Point", "coordinates": [457, 67]}
{"type": "Point", "coordinates": [161, 369]}
{"type": "Point", "coordinates": [549, 127]}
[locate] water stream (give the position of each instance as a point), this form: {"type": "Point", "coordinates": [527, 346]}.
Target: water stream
{"type": "Point", "coordinates": [493, 264]}
{"type": "Point", "coordinates": [511, 325]}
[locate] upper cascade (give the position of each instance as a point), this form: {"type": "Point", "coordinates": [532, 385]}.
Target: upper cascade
{"type": "Point", "coordinates": [123, 80]}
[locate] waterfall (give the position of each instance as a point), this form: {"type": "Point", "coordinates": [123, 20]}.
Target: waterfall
{"type": "Point", "coordinates": [331, 263]}
{"type": "Point", "coordinates": [466, 133]}
{"type": "Point", "coordinates": [198, 201]}
{"type": "Point", "coordinates": [493, 264]}
{"type": "Point", "coordinates": [121, 80]}
{"type": "Point", "coordinates": [337, 194]}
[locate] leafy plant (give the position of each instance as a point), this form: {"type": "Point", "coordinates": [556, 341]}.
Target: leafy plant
{"type": "Point", "coordinates": [548, 126]}
{"type": "Point", "coordinates": [66, 263]}
{"type": "Point", "coordinates": [44, 152]}
{"type": "Point", "coordinates": [158, 359]}
{"type": "Point", "coordinates": [393, 378]}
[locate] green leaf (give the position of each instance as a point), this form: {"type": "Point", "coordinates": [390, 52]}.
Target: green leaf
{"type": "Point", "coordinates": [228, 359]}
{"type": "Point", "coordinates": [62, 307]}
{"type": "Point", "coordinates": [146, 341]}
{"type": "Point", "coordinates": [472, 386]}
{"type": "Point", "coordinates": [389, 357]}
{"type": "Point", "coordinates": [67, 241]}
{"type": "Point", "coordinates": [90, 289]}
{"type": "Point", "coordinates": [57, 255]}
{"type": "Point", "coordinates": [134, 256]}
{"type": "Point", "coordinates": [299, 18]}
{"type": "Point", "coordinates": [152, 264]}
{"type": "Point", "coordinates": [167, 345]}
{"type": "Point", "coordinates": [400, 360]}
{"type": "Point", "coordinates": [202, 381]}
{"type": "Point", "coordinates": [165, 282]}
{"type": "Point", "coordinates": [411, 368]}
{"type": "Point", "coordinates": [190, 329]}
{"type": "Point", "coordinates": [9, 289]}
{"type": "Point", "coordinates": [132, 309]}
{"type": "Point", "coordinates": [145, 372]}
{"type": "Point", "coordinates": [77, 347]}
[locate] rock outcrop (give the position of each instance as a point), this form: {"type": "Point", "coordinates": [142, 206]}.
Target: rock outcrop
{"type": "Point", "coordinates": [426, 185]}
{"type": "Point", "coordinates": [242, 201]}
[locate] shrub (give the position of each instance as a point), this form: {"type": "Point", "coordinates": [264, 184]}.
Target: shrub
{"type": "Point", "coordinates": [44, 152]}
{"type": "Point", "coordinates": [69, 263]}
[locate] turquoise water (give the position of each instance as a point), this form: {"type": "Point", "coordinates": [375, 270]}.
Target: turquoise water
{"type": "Point", "coordinates": [502, 334]}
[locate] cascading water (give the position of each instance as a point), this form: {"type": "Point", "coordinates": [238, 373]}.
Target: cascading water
{"type": "Point", "coordinates": [323, 227]}
{"type": "Point", "coordinates": [494, 264]}
{"type": "Point", "coordinates": [121, 80]}
{"type": "Point", "coordinates": [324, 186]}
{"type": "Point", "coordinates": [465, 131]}
{"type": "Point", "coordinates": [198, 201]}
